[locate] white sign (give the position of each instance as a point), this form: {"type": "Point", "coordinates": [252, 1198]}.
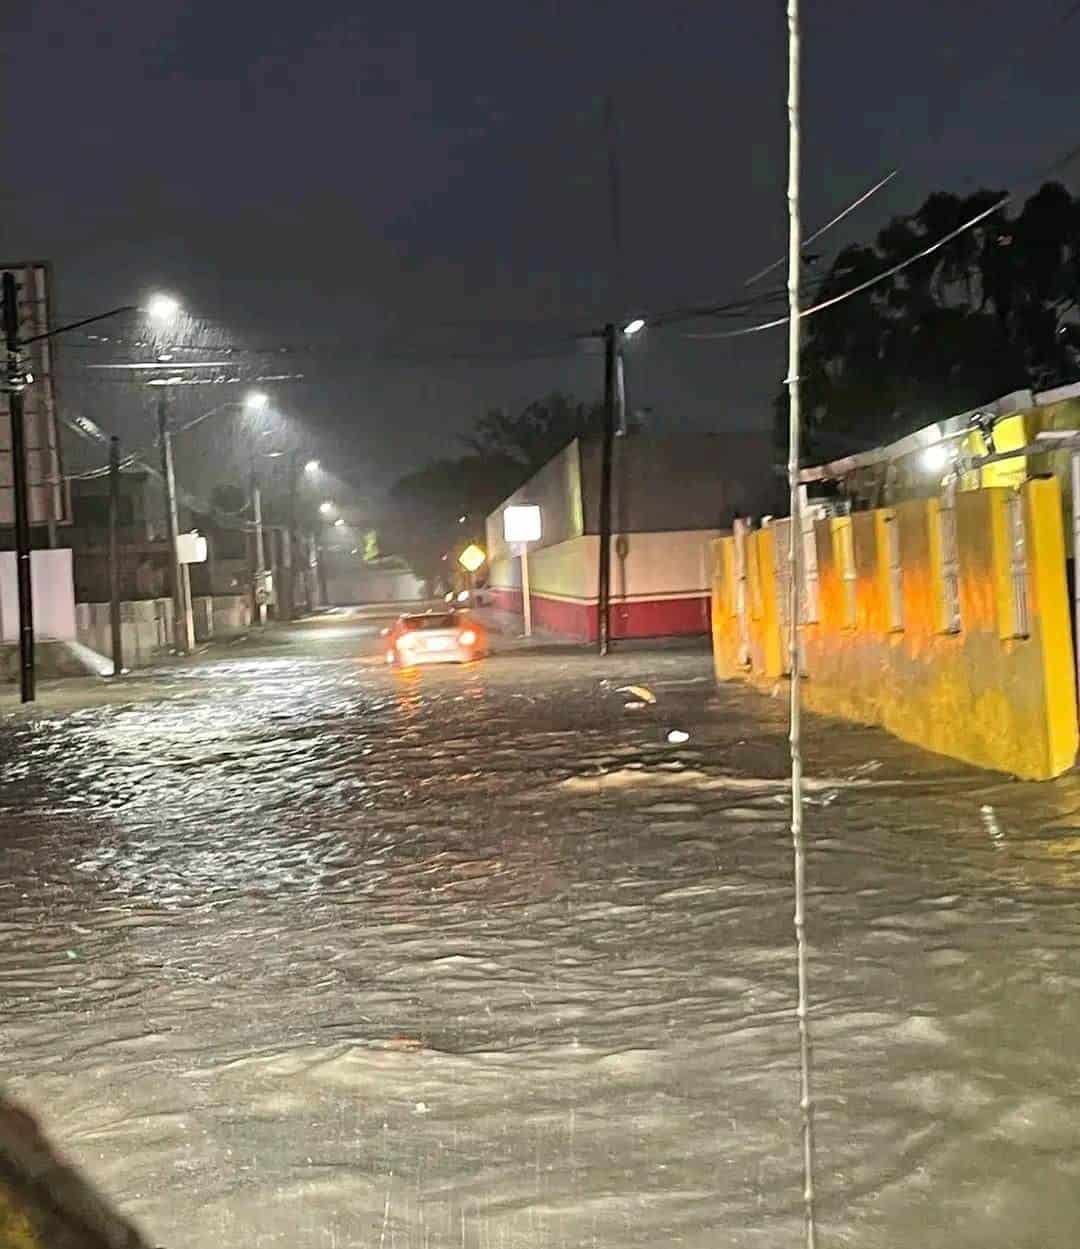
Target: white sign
{"type": "Point", "coordinates": [190, 548]}
{"type": "Point", "coordinates": [522, 523]}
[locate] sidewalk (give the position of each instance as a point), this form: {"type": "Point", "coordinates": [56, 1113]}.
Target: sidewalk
{"type": "Point", "coordinates": [506, 637]}
{"type": "Point", "coordinates": [61, 695]}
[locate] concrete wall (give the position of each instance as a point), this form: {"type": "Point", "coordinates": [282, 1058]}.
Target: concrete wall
{"type": "Point", "coordinates": [146, 628]}
{"type": "Point", "coordinates": [52, 591]}
{"type": "Point", "coordinates": [347, 586]}
{"type": "Point", "coordinates": [995, 686]}
{"type": "Point", "coordinates": [682, 481]}
{"type": "Point", "coordinates": [146, 625]}
{"type": "Point", "coordinates": [659, 585]}
{"type": "Point", "coordinates": [556, 489]}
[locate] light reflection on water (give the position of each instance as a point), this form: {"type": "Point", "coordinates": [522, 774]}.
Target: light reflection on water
{"type": "Point", "coordinates": [311, 953]}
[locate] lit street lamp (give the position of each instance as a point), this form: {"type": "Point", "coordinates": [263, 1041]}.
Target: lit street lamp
{"type": "Point", "coordinates": [327, 508]}
{"type": "Point", "coordinates": [162, 308]}
{"type": "Point", "coordinates": [15, 379]}
{"type": "Point", "coordinates": [312, 467]}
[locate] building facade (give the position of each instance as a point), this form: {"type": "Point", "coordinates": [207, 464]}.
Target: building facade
{"type": "Point", "coordinates": [671, 496]}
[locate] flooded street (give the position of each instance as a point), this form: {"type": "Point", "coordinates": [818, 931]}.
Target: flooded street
{"type": "Point", "coordinates": [298, 951]}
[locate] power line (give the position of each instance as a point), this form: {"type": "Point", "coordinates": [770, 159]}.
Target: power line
{"type": "Point", "coordinates": [893, 270]}
{"type": "Point", "coordinates": [89, 430]}
{"type": "Point", "coordinates": [857, 203]}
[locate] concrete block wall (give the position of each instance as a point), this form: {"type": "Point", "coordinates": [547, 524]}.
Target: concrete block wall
{"type": "Point", "coordinates": [659, 585]}
{"type": "Point", "coordinates": [993, 685]}
{"type": "Point", "coordinates": [146, 628]}
{"type": "Point", "coordinates": [146, 625]}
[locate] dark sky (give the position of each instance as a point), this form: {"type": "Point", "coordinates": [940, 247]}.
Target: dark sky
{"type": "Point", "coordinates": [355, 175]}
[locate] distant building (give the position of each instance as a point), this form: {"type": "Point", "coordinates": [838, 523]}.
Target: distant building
{"type": "Point", "coordinates": [670, 497]}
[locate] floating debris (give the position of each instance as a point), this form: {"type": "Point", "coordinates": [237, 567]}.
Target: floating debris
{"type": "Point", "coordinates": [639, 692]}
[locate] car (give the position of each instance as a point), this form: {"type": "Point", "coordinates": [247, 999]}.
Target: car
{"type": "Point", "coordinates": [435, 637]}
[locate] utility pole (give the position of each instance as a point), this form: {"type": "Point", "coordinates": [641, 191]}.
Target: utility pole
{"type": "Point", "coordinates": [183, 620]}
{"type": "Point", "coordinates": [258, 596]}
{"type": "Point", "coordinates": [114, 556]}
{"type": "Point", "coordinates": [603, 594]}
{"type": "Point", "coordinates": [15, 383]}
{"type": "Point", "coordinates": [288, 577]}
{"type": "Point", "coordinates": [798, 836]}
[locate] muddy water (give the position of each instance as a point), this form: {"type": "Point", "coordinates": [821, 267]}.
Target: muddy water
{"type": "Point", "coordinates": [303, 953]}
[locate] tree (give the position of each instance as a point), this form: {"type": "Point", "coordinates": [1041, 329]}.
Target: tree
{"type": "Point", "coordinates": [993, 310]}
{"type": "Point", "coordinates": [422, 522]}
{"type": "Point", "coordinates": [423, 519]}
{"type": "Point", "coordinates": [537, 433]}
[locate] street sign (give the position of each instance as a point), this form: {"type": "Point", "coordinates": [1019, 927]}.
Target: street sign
{"type": "Point", "coordinates": [190, 548]}
{"type": "Point", "coordinates": [521, 523]}
{"type": "Point", "coordinates": [472, 558]}
{"type": "Point", "coordinates": [48, 498]}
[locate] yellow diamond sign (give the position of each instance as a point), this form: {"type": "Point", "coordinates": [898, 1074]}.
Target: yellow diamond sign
{"type": "Point", "coordinates": [472, 557]}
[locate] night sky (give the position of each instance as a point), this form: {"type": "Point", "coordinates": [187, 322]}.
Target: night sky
{"type": "Point", "coordinates": [391, 181]}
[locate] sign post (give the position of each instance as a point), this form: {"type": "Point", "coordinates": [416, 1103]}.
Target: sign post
{"type": "Point", "coordinates": [522, 525]}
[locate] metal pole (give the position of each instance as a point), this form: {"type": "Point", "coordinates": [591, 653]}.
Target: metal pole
{"type": "Point", "coordinates": [526, 594]}
{"type": "Point", "coordinates": [260, 554]}
{"type": "Point", "coordinates": [22, 491]}
{"type": "Point", "coordinates": [114, 556]}
{"type": "Point", "coordinates": [183, 623]}
{"type": "Point", "coordinates": [621, 427]}
{"type": "Point", "coordinates": [1075, 465]}
{"type": "Point", "coordinates": [798, 838]}
{"type": "Point", "coordinates": [603, 589]}
{"type": "Point", "coordinates": [319, 583]}
{"type": "Point", "coordinates": [288, 579]}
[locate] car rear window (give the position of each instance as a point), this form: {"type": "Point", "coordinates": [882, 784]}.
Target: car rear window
{"type": "Point", "coordinates": [430, 622]}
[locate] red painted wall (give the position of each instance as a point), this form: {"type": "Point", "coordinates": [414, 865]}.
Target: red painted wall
{"type": "Point", "coordinates": [646, 618]}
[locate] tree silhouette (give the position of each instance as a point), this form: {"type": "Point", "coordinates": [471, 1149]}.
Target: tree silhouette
{"type": "Point", "coordinates": [994, 310]}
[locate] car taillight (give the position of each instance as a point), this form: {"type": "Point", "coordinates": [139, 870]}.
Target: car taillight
{"type": "Point", "coordinates": [467, 637]}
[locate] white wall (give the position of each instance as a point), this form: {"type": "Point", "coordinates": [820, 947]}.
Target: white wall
{"type": "Point", "coordinates": [53, 594]}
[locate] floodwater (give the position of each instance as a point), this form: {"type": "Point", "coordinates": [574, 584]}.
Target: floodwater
{"type": "Point", "coordinates": [301, 952]}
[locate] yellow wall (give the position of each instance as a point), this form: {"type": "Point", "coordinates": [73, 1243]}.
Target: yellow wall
{"type": "Point", "coordinates": [981, 694]}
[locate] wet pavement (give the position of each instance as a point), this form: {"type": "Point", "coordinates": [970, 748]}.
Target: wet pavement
{"type": "Point", "coordinates": [298, 951]}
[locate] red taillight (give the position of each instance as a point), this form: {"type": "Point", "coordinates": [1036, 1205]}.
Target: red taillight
{"type": "Point", "coordinates": [467, 637]}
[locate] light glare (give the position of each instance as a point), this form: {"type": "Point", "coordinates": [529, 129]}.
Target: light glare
{"type": "Point", "coordinates": [162, 307]}
{"type": "Point", "coordinates": [935, 458]}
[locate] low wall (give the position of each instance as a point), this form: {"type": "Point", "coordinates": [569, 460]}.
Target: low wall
{"type": "Point", "coordinates": [961, 646]}
{"type": "Point", "coordinates": [659, 585]}
{"type": "Point", "coordinates": [146, 625]}
{"type": "Point", "coordinates": [146, 629]}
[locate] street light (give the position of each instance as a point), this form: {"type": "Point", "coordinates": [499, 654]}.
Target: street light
{"type": "Point", "coordinates": [162, 308]}
{"type": "Point", "coordinates": [326, 508]}
{"type": "Point", "coordinates": [633, 327]}
{"type": "Point", "coordinates": [256, 400]}
{"type": "Point", "coordinates": [339, 523]}
{"type": "Point", "coordinates": [935, 458]}
{"type": "Point", "coordinates": [312, 466]}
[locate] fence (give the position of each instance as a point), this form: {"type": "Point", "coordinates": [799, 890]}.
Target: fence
{"type": "Point", "coordinates": [945, 621]}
